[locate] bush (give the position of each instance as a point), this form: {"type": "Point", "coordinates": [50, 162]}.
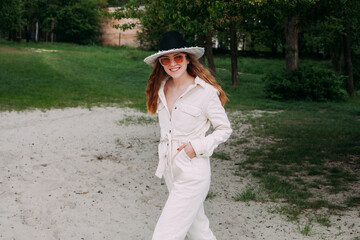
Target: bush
{"type": "Point", "coordinates": [307, 83]}
{"type": "Point", "coordinates": [356, 68]}
{"type": "Point", "coordinates": [78, 22]}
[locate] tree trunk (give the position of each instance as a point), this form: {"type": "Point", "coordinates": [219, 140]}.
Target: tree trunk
{"type": "Point", "coordinates": [209, 53]}
{"type": "Point", "coordinates": [342, 63]}
{"type": "Point", "coordinates": [274, 47]}
{"type": "Point", "coordinates": [36, 31]}
{"type": "Point", "coordinates": [243, 42]}
{"type": "Point", "coordinates": [52, 31]}
{"type": "Point", "coordinates": [233, 53]}
{"type": "Point", "coordinates": [337, 55]}
{"type": "Point", "coordinates": [291, 44]}
{"type": "Point", "coordinates": [201, 41]}
{"type": "Point", "coordinates": [348, 61]}
{"type": "Point", "coordinates": [252, 43]}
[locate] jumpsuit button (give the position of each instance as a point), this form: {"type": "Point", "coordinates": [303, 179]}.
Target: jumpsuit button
{"type": "Point", "coordinates": [169, 131]}
{"type": "Point", "coordinates": [175, 108]}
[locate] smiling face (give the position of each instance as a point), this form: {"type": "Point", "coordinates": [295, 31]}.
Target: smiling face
{"type": "Point", "coordinates": [175, 64]}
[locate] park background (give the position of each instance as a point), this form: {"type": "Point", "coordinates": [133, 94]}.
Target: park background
{"type": "Point", "coordinates": [298, 59]}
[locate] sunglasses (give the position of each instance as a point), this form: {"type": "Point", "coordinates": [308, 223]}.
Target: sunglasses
{"type": "Point", "coordinates": [164, 61]}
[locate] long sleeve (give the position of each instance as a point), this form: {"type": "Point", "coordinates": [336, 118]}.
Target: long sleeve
{"type": "Point", "coordinates": [204, 147]}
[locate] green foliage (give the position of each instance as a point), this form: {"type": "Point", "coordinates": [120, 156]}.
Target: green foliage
{"type": "Point", "coordinates": [11, 20]}
{"type": "Point", "coordinates": [78, 22]}
{"type": "Point", "coordinates": [117, 3]}
{"type": "Point", "coordinates": [191, 18]}
{"type": "Point", "coordinates": [323, 33]}
{"type": "Point", "coordinates": [246, 195]}
{"type": "Point", "coordinates": [306, 229]}
{"type": "Point", "coordinates": [75, 21]}
{"type": "Point", "coordinates": [306, 83]}
{"type": "Point", "coordinates": [356, 66]}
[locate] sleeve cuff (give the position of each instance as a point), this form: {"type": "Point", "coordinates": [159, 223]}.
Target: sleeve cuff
{"type": "Point", "coordinates": [198, 147]}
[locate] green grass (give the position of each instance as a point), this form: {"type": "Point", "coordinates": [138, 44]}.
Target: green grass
{"type": "Point", "coordinates": [317, 144]}
{"type": "Point", "coordinates": [210, 195]}
{"type": "Point", "coordinates": [72, 76]}
{"type": "Point", "coordinates": [137, 120]}
{"type": "Point", "coordinates": [221, 155]}
{"type": "Point", "coordinates": [323, 219]}
{"type": "Point", "coordinates": [246, 195]}
{"type": "Point", "coordinates": [306, 230]}
{"type": "Point", "coordinates": [312, 142]}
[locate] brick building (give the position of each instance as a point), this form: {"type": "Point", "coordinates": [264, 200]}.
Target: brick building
{"type": "Point", "coordinates": [117, 37]}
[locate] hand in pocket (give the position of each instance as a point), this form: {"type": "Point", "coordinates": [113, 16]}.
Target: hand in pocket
{"type": "Point", "coordinates": [189, 150]}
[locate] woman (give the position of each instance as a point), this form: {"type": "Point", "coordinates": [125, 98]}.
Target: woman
{"type": "Point", "coordinates": [187, 99]}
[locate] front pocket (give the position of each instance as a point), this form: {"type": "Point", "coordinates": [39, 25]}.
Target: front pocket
{"type": "Point", "coordinates": [190, 109]}
{"type": "Point", "coordinates": [181, 165]}
{"type": "Point", "coordinates": [185, 155]}
{"type": "Point", "coordinates": [187, 118]}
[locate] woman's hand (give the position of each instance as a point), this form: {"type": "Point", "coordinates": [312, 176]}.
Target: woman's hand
{"type": "Point", "coordinates": [188, 148]}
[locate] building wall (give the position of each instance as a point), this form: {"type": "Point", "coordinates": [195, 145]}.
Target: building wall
{"type": "Point", "coordinates": [117, 37]}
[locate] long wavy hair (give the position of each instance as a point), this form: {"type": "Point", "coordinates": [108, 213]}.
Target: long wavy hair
{"type": "Point", "coordinates": [194, 68]}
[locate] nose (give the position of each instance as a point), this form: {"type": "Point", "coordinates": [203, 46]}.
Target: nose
{"type": "Point", "coordinates": [172, 62]}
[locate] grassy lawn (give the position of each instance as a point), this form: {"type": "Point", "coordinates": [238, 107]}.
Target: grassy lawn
{"type": "Point", "coordinates": [312, 160]}
{"type": "Point", "coordinates": [71, 76]}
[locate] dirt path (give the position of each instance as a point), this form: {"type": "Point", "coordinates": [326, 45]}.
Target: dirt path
{"type": "Point", "coordinates": [78, 174]}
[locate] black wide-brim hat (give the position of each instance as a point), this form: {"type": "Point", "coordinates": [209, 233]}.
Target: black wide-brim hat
{"type": "Point", "coordinates": [172, 41]}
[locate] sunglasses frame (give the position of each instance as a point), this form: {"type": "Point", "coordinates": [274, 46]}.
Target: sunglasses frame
{"type": "Point", "coordinates": [182, 55]}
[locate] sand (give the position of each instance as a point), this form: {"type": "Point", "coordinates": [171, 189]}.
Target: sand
{"type": "Point", "coordinates": [79, 174]}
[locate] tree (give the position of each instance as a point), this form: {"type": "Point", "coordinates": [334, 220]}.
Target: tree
{"type": "Point", "coordinates": [292, 14]}
{"type": "Point", "coordinates": [117, 3]}
{"type": "Point", "coordinates": [335, 31]}
{"type": "Point", "coordinates": [78, 21]}
{"type": "Point", "coordinates": [231, 11]}
{"type": "Point", "coordinates": [267, 26]}
{"type": "Point", "coordinates": [235, 13]}
{"type": "Point", "coordinates": [348, 14]}
{"type": "Point", "coordinates": [35, 12]}
{"type": "Point", "coordinates": [11, 17]}
{"type": "Point", "coordinates": [191, 18]}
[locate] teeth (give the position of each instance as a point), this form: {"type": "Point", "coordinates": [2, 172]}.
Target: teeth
{"type": "Point", "coordinates": [174, 69]}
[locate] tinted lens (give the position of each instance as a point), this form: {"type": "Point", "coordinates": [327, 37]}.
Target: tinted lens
{"type": "Point", "coordinates": [165, 61]}
{"type": "Point", "coordinates": [178, 59]}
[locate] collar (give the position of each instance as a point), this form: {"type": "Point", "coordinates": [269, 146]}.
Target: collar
{"type": "Point", "coordinates": [198, 81]}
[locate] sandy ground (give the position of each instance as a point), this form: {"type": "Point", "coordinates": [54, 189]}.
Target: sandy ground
{"type": "Point", "coordinates": [78, 174]}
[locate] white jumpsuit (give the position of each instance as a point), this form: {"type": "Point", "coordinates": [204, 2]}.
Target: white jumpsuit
{"type": "Point", "coordinates": [188, 180]}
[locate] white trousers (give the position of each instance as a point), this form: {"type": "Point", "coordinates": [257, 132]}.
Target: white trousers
{"type": "Point", "coordinates": [188, 182]}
